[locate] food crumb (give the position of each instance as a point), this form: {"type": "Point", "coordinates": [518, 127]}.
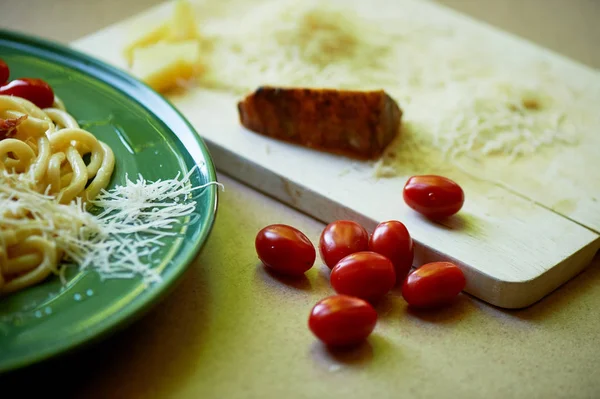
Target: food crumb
{"type": "Point", "coordinates": [334, 367]}
{"type": "Point", "coordinates": [531, 104]}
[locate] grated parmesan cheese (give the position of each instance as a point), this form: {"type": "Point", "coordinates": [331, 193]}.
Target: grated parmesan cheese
{"type": "Point", "coordinates": [119, 240]}
{"type": "Point", "coordinates": [495, 118]}
{"type": "Point", "coordinates": [464, 98]}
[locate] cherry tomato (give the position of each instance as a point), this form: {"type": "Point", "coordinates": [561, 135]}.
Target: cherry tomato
{"type": "Point", "coordinates": [35, 90]}
{"type": "Point", "coordinates": [366, 275]}
{"type": "Point", "coordinates": [285, 249]}
{"type": "Point", "coordinates": [4, 72]}
{"type": "Point", "coordinates": [433, 196]}
{"type": "Point", "coordinates": [433, 284]}
{"type": "Point", "coordinates": [342, 320]}
{"type": "Point", "coordinates": [392, 240]}
{"type": "Point", "coordinates": [342, 238]}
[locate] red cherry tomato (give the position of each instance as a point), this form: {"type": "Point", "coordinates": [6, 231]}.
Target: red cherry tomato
{"type": "Point", "coordinates": [285, 249]}
{"type": "Point", "coordinates": [342, 238]}
{"type": "Point", "coordinates": [366, 275]}
{"type": "Point", "coordinates": [433, 196]}
{"type": "Point", "coordinates": [4, 72]}
{"type": "Point", "coordinates": [342, 320]}
{"type": "Point", "coordinates": [35, 90]}
{"type": "Point", "coordinates": [392, 240]}
{"type": "Point", "coordinates": [433, 284]}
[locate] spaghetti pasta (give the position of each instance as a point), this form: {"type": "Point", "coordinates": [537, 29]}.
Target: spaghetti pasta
{"type": "Point", "coordinates": [46, 150]}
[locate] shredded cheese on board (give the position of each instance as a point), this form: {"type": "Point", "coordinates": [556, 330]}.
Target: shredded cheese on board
{"type": "Point", "coordinates": [466, 100]}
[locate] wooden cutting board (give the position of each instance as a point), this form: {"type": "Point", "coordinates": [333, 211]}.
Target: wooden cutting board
{"type": "Point", "coordinates": [527, 226]}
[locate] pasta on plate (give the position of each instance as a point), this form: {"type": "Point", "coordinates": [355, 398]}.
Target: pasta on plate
{"type": "Point", "coordinates": [47, 151]}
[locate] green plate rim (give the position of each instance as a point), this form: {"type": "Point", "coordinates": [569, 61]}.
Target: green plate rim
{"type": "Point", "coordinates": [128, 86]}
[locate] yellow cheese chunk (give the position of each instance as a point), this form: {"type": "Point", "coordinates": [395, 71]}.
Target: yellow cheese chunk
{"type": "Point", "coordinates": [153, 36]}
{"type": "Point", "coordinates": [163, 65]}
{"type": "Point", "coordinates": [181, 27]}
{"type": "Point", "coordinates": [183, 24]}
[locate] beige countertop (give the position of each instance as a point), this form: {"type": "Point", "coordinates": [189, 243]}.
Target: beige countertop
{"type": "Point", "coordinates": [230, 330]}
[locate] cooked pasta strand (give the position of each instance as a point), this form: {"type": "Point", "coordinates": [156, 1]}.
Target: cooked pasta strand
{"type": "Point", "coordinates": [47, 152]}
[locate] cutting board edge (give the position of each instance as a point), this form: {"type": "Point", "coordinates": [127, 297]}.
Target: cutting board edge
{"type": "Point", "coordinates": [501, 293]}
{"type": "Point", "coordinates": [522, 294]}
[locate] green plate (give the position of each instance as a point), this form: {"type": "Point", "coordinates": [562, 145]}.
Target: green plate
{"type": "Point", "coordinates": [149, 137]}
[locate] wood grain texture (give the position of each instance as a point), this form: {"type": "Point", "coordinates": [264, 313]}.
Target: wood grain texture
{"type": "Point", "coordinates": [513, 250]}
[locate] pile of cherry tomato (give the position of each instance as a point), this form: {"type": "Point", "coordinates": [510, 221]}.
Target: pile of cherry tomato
{"type": "Point", "coordinates": [35, 90]}
{"type": "Point", "coordinates": [364, 268]}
